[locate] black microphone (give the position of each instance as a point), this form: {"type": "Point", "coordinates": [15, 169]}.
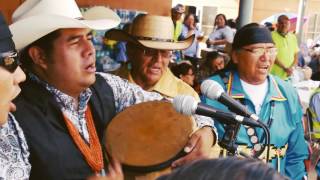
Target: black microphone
{"type": "Point", "coordinates": [213, 90]}
{"type": "Point", "coordinates": [187, 105]}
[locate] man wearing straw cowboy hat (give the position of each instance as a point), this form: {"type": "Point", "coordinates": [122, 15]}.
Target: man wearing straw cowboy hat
{"type": "Point", "coordinates": [64, 105]}
{"type": "Point", "coordinates": [149, 49]}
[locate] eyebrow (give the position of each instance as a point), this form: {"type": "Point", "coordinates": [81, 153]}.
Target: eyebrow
{"type": "Point", "coordinates": [71, 38]}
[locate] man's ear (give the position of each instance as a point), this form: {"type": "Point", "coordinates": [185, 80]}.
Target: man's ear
{"type": "Point", "coordinates": [234, 57]}
{"type": "Point", "coordinates": [38, 56]}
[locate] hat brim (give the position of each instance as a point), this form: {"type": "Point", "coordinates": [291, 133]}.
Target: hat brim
{"type": "Point", "coordinates": [30, 29]}
{"type": "Point", "coordinates": [120, 35]}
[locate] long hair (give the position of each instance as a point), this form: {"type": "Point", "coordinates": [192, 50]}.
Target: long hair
{"type": "Point", "coordinates": [223, 16]}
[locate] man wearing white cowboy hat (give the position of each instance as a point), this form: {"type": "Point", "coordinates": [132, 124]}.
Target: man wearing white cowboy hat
{"type": "Point", "coordinates": [64, 105]}
{"type": "Point", "coordinates": [149, 49]}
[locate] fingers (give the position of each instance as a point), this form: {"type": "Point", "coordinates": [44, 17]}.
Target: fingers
{"type": "Point", "coordinates": [191, 148]}
{"type": "Point", "coordinates": [191, 143]}
{"type": "Point", "coordinates": [117, 167]}
{"type": "Point", "coordinates": [115, 170]}
{"type": "Point", "coordinates": [198, 147]}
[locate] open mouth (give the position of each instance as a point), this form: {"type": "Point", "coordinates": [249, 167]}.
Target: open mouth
{"type": "Point", "coordinates": [91, 68]}
{"type": "Point", "coordinates": [264, 67]}
{"type": "Point", "coordinates": [155, 70]}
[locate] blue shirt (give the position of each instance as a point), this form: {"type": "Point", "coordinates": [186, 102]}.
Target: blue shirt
{"type": "Point", "coordinates": [286, 129]}
{"type": "Point", "coordinates": [121, 52]}
{"type": "Point", "coordinates": [192, 50]}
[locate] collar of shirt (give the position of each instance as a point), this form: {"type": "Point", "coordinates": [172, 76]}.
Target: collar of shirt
{"type": "Point", "coordinates": [283, 34]}
{"type": "Point", "coordinates": [166, 85]}
{"type": "Point", "coordinates": [68, 105]}
{"type": "Point", "coordinates": [235, 90]}
{"type": "Point", "coordinates": [65, 101]}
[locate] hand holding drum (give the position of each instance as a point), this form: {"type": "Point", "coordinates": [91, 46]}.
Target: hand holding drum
{"type": "Point", "coordinates": [148, 136]}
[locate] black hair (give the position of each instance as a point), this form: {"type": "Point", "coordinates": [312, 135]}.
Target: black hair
{"type": "Point", "coordinates": [223, 16]}
{"type": "Point", "coordinates": [181, 69]}
{"type": "Point", "coordinates": [231, 168]}
{"type": "Point", "coordinates": [231, 23]}
{"type": "Point", "coordinates": [188, 15]}
{"type": "Point", "coordinates": [283, 16]}
{"type": "Point", "coordinates": [45, 43]}
{"type": "Point", "coordinates": [211, 56]}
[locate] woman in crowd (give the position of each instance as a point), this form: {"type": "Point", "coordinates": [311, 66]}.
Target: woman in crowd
{"type": "Point", "coordinates": [221, 35]}
{"type": "Point", "coordinates": [184, 71]}
{"type": "Point", "coordinates": [214, 62]}
{"type": "Point", "coordinates": [14, 153]}
{"type": "Point", "coordinates": [189, 28]}
{"type": "Point", "coordinates": [273, 100]}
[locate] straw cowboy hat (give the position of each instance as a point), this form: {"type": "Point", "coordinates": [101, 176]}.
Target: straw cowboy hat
{"type": "Point", "coordinates": [151, 31]}
{"type": "Point", "coordinates": [37, 18]}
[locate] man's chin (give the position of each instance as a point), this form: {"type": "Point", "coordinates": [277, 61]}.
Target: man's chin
{"type": "Point", "coordinates": [12, 107]}
{"type": "Point", "coordinates": [89, 82]}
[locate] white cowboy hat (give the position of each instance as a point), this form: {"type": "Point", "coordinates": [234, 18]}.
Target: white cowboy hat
{"type": "Point", "coordinates": [37, 18]}
{"type": "Point", "coordinates": [151, 31]}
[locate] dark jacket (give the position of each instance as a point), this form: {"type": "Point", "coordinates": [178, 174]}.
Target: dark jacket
{"type": "Point", "coordinates": [53, 154]}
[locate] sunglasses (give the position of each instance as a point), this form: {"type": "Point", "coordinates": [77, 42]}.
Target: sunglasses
{"type": "Point", "coordinates": [9, 61]}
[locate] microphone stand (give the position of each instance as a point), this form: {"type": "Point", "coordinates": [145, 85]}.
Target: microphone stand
{"type": "Point", "coordinates": [229, 138]}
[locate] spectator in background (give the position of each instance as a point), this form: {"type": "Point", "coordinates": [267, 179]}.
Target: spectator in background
{"type": "Point", "coordinates": [185, 72]}
{"type": "Point", "coordinates": [176, 14]}
{"type": "Point", "coordinates": [214, 62]}
{"type": "Point", "coordinates": [189, 28]}
{"type": "Point", "coordinates": [315, 63]}
{"type": "Point", "coordinates": [233, 25]}
{"type": "Point", "coordinates": [269, 25]}
{"type": "Point", "coordinates": [314, 109]}
{"type": "Point", "coordinates": [221, 34]}
{"type": "Point", "coordinates": [120, 48]}
{"type": "Point", "coordinates": [288, 49]}
{"type": "Point", "coordinates": [230, 168]}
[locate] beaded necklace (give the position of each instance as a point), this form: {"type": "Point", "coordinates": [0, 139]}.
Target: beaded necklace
{"type": "Point", "coordinates": [92, 151]}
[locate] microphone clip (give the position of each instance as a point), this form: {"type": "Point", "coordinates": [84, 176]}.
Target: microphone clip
{"type": "Point", "coordinates": [229, 139]}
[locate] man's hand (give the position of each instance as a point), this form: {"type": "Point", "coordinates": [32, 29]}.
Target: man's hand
{"type": "Point", "coordinates": [198, 146]}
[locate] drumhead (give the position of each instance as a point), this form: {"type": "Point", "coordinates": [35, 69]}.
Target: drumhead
{"type": "Point", "coordinates": [148, 136]}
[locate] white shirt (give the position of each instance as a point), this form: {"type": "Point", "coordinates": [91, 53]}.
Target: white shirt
{"type": "Point", "coordinates": [256, 93]}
